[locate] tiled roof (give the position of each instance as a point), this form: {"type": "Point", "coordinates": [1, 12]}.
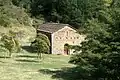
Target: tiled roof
{"type": "Point", "coordinates": [51, 27]}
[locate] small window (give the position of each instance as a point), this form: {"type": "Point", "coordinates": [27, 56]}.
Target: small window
{"type": "Point", "coordinates": [71, 38]}
{"type": "Point", "coordinates": [66, 37]}
{"type": "Point", "coordinates": [56, 37]}
{"type": "Point", "coordinates": [60, 38]}
{"type": "Point", "coordinates": [77, 37]}
{"type": "Point", "coordinates": [67, 33]}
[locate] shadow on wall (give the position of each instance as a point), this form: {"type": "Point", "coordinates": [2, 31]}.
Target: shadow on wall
{"type": "Point", "coordinates": [75, 73]}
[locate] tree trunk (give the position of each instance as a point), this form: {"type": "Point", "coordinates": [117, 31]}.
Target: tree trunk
{"type": "Point", "coordinates": [10, 54]}
{"type": "Point", "coordinates": [39, 55]}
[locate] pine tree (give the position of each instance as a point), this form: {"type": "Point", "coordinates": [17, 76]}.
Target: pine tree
{"type": "Point", "coordinates": [101, 51]}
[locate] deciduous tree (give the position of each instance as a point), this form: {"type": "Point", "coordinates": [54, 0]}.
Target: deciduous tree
{"type": "Point", "coordinates": [41, 44]}
{"type": "Point", "coordinates": [10, 43]}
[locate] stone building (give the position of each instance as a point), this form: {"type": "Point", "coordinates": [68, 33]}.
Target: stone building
{"type": "Point", "coordinates": [60, 35]}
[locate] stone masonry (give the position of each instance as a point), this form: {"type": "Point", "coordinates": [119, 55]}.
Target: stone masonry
{"type": "Point", "coordinates": [61, 34]}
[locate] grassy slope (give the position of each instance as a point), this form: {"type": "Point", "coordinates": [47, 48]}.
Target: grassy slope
{"type": "Point", "coordinates": [25, 66]}
{"type": "Point", "coordinates": [16, 19]}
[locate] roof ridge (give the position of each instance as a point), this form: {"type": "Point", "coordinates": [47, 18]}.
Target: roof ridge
{"type": "Point", "coordinates": [52, 27]}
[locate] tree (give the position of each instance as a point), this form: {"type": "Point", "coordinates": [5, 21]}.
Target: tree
{"type": "Point", "coordinates": [101, 51]}
{"type": "Point", "coordinates": [10, 43]}
{"type": "Point", "coordinates": [41, 44]}
{"type": "Point", "coordinates": [12, 15]}
{"type": "Point", "coordinates": [23, 4]}
{"type": "Point", "coordinates": [74, 12]}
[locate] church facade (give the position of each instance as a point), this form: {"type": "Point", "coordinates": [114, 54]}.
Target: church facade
{"type": "Point", "coordinates": [60, 36]}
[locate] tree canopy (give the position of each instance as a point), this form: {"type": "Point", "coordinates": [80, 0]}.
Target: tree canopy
{"type": "Point", "coordinates": [101, 51]}
{"type": "Point", "coordinates": [74, 12]}
{"type": "Point", "coordinates": [41, 44]}
{"type": "Point", "coordinates": [98, 19]}
{"type": "Point", "coordinates": [10, 42]}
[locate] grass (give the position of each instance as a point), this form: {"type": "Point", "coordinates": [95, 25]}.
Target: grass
{"type": "Point", "coordinates": [25, 66]}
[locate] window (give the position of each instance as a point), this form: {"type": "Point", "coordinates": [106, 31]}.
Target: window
{"type": "Point", "coordinates": [73, 42]}
{"type": "Point", "coordinates": [77, 37]}
{"type": "Point", "coordinates": [74, 38]}
{"type": "Point", "coordinates": [67, 33]}
{"type": "Point", "coordinates": [60, 38]}
{"type": "Point", "coordinates": [56, 37]}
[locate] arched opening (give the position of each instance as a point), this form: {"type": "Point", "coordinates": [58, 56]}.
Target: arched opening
{"type": "Point", "coordinates": [66, 49]}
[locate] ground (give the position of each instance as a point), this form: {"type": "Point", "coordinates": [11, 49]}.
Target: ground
{"type": "Point", "coordinates": [25, 66]}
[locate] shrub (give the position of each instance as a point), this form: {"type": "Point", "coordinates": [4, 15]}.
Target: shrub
{"type": "Point", "coordinates": [10, 43]}
{"type": "Point", "coordinates": [41, 44]}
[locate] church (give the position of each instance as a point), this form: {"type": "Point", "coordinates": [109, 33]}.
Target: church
{"type": "Point", "coordinates": [60, 35]}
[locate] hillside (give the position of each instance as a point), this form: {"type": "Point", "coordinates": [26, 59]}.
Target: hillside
{"type": "Point", "coordinates": [16, 19]}
{"type": "Point", "coordinates": [97, 58]}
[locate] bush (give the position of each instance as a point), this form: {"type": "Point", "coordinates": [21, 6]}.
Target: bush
{"type": "Point", "coordinates": [10, 42]}
{"type": "Point", "coordinates": [41, 44]}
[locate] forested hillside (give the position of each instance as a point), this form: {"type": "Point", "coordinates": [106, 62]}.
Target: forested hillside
{"type": "Point", "coordinates": [17, 19]}
{"type": "Point", "coordinates": [29, 12]}
{"type": "Point", "coordinates": [98, 19]}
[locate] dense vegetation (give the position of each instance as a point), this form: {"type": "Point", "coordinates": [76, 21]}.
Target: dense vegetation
{"type": "Point", "coordinates": [11, 15]}
{"type": "Point", "coordinates": [100, 57]}
{"type": "Point", "coordinates": [98, 19]}
{"type": "Point", "coordinates": [41, 44]}
{"type": "Point", "coordinates": [10, 42]}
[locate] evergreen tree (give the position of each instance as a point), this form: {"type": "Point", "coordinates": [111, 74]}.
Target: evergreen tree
{"type": "Point", "coordinates": [74, 12]}
{"type": "Point", "coordinates": [100, 52]}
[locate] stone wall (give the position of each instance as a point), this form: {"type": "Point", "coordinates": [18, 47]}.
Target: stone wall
{"type": "Point", "coordinates": [65, 36]}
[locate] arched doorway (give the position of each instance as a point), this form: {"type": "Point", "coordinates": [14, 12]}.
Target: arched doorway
{"type": "Point", "coordinates": [66, 49]}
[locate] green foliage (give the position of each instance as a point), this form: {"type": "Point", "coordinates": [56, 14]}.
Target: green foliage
{"type": "Point", "coordinates": [4, 21]}
{"type": "Point", "coordinates": [15, 17]}
{"type": "Point", "coordinates": [101, 50]}
{"type": "Point", "coordinates": [10, 14]}
{"type": "Point", "coordinates": [74, 12]}
{"type": "Point", "coordinates": [10, 43]}
{"type": "Point", "coordinates": [41, 44]}
{"type": "Point", "coordinates": [23, 3]}
{"type": "Point", "coordinates": [100, 56]}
